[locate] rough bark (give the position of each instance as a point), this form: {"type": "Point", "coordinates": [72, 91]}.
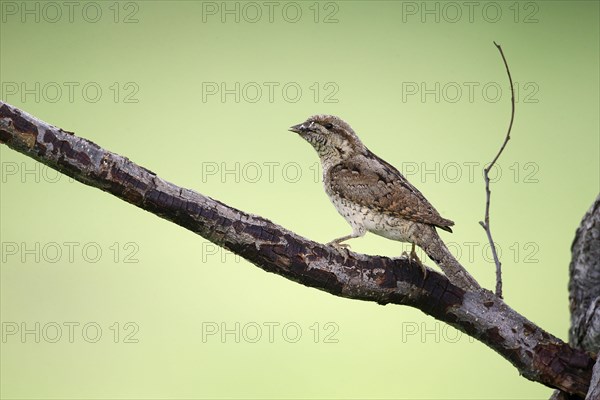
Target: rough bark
{"type": "Point", "coordinates": [537, 355]}
{"type": "Point", "coordinates": [584, 284]}
{"type": "Point", "coordinates": [584, 292]}
{"type": "Point", "coordinates": [594, 392]}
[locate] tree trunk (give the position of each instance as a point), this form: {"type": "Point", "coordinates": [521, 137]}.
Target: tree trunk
{"type": "Point", "coordinates": [584, 293]}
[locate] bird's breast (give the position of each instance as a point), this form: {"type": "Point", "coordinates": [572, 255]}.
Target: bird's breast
{"type": "Point", "coordinates": [379, 223]}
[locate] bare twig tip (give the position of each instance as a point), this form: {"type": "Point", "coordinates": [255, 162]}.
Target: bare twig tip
{"type": "Point", "coordinates": [486, 225]}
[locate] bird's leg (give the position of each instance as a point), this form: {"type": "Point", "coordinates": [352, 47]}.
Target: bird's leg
{"type": "Point", "coordinates": [415, 258]}
{"type": "Point", "coordinates": [337, 243]}
{"type": "Point", "coordinates": [356, 233]}
{"type": "Point", "coordinates": [412, 257]}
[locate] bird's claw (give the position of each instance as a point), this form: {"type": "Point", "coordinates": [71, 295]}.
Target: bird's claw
{"type": "Point", "coordinates": [342, 248]}
{"type": "Point", "coordinates": [412, 257]}
{"type": "Point", "coordinates": [339, 245]}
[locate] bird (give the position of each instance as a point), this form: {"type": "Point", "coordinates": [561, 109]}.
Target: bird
{"type": "Point", "coordinates": [373, 196]}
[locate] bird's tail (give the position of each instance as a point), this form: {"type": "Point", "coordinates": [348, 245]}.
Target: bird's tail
{"type": "Point", "coordinates": [436, 249]}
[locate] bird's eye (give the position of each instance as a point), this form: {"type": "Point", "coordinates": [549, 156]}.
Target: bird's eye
{"type": "Point", "coordinates": [328, 126]}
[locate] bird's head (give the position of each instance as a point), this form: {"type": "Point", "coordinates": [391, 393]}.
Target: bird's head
{"type": "Point", "coordinates": [331, 137]}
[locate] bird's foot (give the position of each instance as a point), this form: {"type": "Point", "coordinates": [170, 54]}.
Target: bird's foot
{"type": "Point", "coordinates": [342, 248]}
{"type": "Point", "coordinates": [413, 258]}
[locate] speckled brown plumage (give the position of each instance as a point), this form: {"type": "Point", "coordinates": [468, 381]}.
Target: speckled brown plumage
{"type": "Point", "coordinates": [373, 196]}
{"type": "Point", "coordinates": [371, 182]}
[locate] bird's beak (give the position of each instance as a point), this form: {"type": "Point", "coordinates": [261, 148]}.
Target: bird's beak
{"type": "Point", "coordinates": [298, 128]}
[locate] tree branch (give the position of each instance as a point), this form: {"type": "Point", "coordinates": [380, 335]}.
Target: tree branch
{"type": "Point", "coordinates": [486, 176]}
{"type": "Point", "coordinates": [537, 355]}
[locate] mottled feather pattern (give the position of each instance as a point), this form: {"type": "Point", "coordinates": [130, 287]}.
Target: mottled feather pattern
{"type": "Point", "coordinates": [384, 189]}
{"type": "Point", "coordinates": [375, 197]}
{"type": "Point", "coordinates": [352, 172]}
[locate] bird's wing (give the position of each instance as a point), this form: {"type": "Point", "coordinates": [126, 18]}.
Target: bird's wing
{"type": "Point", "coordinates": [385, 188]}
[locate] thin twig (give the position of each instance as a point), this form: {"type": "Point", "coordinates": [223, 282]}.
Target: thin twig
{"type": "Point", "coordinates": [486, 176]}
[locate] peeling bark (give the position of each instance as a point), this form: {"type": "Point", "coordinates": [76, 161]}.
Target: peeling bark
{"type": "Point", "coordinates": [537, 355]}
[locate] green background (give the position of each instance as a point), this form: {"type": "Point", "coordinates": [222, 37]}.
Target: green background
{"type": "Point", "coordinates": [171, 285]}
